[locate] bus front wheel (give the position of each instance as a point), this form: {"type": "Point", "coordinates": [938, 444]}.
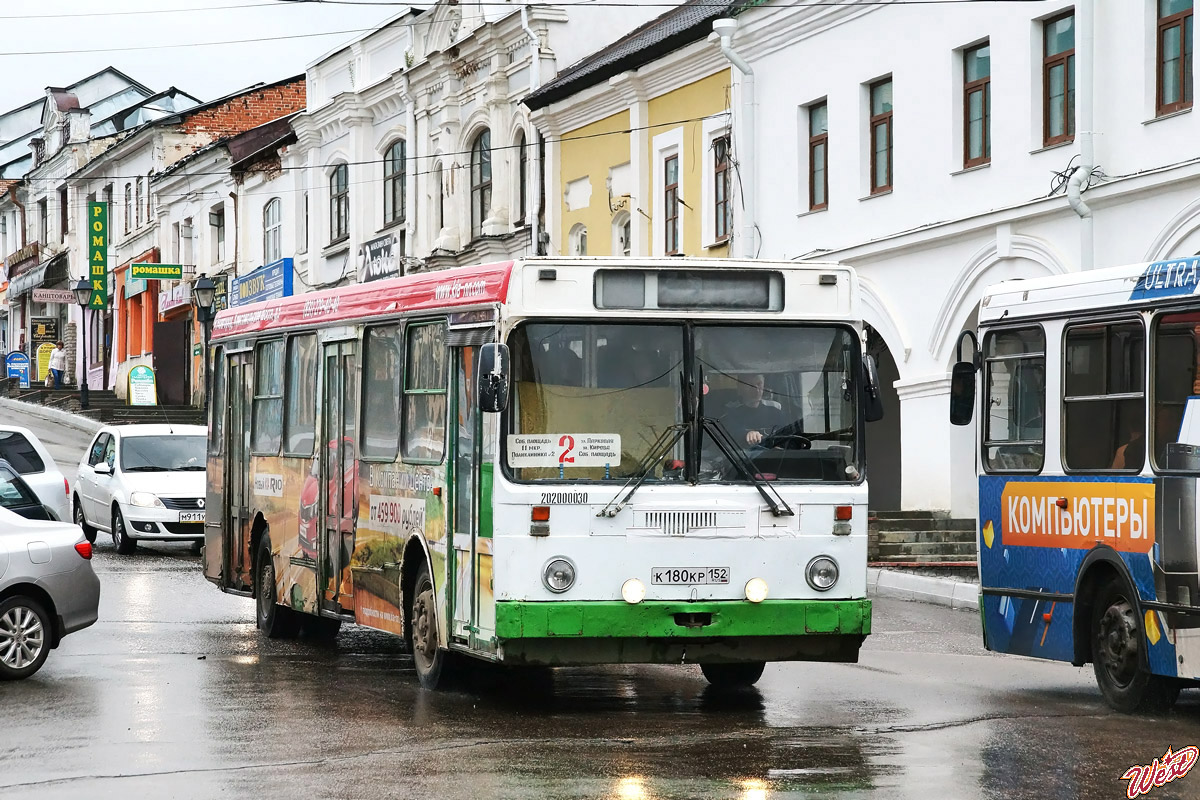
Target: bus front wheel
{"type": "Point", "coordinates": [1117, 639]}
{"type": "Point", "coordinates": [274, 620]}
{"type": "Point", "coordinates": [429, 659]}
{"type": "Point", "coordinates": [733, 676]}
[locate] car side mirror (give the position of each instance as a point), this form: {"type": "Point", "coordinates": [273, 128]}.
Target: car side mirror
{"type": "Point", "coordinates": [872, 396]}
{"type": "Point", "coordinates": [493, 377]}
{"type": "Point", "coordinates": [962, 393]}
{"type": "Point", "coordinates": [103, 469]}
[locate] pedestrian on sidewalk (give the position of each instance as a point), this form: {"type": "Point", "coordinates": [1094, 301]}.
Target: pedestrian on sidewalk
{"type": "Point", "coordinates": [58, 364]}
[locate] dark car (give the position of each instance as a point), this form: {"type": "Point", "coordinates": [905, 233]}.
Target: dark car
{"type": "Point", "coordinates": [17, 497]}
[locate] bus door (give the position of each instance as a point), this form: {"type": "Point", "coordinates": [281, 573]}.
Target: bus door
{"type": "Point", "coordinates": [339, 476]}
{"type": "Point", "coordinates": [236, 513]}
{"type": "Point", "coordinates": [473, 604]}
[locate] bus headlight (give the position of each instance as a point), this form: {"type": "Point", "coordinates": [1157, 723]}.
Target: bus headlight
{"type": "Point", "coordinates": [821, 573]}
{"type": "Point", "coordinates": [558, 575]}
{"type": "Point", "coordinates": [633, 591]}
{"type": "Point", "coordinates": [756, 590]}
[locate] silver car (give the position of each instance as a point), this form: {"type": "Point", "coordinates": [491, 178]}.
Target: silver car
{"type": "Point", "coordinates": [47, 588]}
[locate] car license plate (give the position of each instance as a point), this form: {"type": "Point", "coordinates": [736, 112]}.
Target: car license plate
{"type": "Point", "coordinates": [686, 576]}
{"type": "Point", "coordinates": [191, 516]}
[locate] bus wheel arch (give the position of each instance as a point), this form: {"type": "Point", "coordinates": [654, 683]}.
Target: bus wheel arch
{"type": "Point", "coordinates": [1107, 625]}
{"type": "Point", "coordinates": [421, 615]}
{"type": "Point", "coordinates": [258, 529]}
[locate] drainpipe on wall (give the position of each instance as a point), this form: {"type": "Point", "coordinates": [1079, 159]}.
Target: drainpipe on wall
{"type": "Point", "coordinates": [743, 146]}
{"type": "Point", "coordinates": [1085, 15]}
{"type": "Point", "coordinates": [533, 204]}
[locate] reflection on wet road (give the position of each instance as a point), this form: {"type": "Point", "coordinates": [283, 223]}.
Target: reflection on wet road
{"type": "Point", "coordinates": [173, 694]}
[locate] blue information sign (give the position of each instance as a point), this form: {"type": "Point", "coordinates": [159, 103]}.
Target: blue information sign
{"type": "Point", "coordinates": [265, 283]}
{"type": "Point", "coordinates": [18, 367]}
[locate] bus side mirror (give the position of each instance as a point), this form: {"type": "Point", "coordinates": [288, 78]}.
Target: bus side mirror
{"type": "Point", "coordinates": [493, 377]}
{"type": "Point", "coordinates": [962, 393]}
{"type": "Point", "coordinates": [873, 399]}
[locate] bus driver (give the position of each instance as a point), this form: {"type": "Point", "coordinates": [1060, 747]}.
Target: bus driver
{"type": "Point", "coordinates": [752, 418]}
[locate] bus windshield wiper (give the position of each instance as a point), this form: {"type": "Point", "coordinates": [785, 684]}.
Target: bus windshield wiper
{"type": "Point", "coordinates": [720, 435]}
{"type": "Point", "coordinates": [655, 454]}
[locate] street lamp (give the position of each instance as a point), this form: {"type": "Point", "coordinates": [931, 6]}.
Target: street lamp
{"type": "Point", "coordinates": [204, 292]}
{"type": "Point", "coordinates": [83, 296]}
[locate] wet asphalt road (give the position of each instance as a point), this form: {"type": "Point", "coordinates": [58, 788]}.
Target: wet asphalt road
{"type": "Point", "coordinates": [174, 694]}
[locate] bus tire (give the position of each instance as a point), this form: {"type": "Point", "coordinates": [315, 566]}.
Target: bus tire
{"type": "Point", "coordinates": [733, 676]}
{"type": "Point", "coordinates": [323, 629]}
{"type": "Point", "coordinates": [274, 620]}
{"type": "Point", "coordinates": [1117, 658]}
{"type": "Point", "coordinates": [428, 658]}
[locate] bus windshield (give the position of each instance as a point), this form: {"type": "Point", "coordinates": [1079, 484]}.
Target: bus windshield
{"type": "Point", "coordinates": [782, 395]}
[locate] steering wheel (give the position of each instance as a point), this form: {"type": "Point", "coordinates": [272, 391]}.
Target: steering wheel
{"type": "Point", "coordinates": [786, 441]}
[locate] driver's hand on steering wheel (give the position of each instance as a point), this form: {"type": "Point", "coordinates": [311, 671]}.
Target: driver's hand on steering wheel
{"type": "Point", "coordinates": [753, 437]}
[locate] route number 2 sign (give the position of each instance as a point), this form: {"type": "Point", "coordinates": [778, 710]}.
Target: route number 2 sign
{"type": "Point", "coordinates": [564, 450]}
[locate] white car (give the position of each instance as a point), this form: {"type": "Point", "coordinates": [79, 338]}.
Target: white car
{"type": "Point", "coordinates": [143, 482]}
{"type": "Point", "coordinates": [26, 454]}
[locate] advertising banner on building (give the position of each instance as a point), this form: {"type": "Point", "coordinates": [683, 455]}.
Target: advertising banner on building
{"type": "Point", "coordinates": [266, 283]}
{"type": "Point", "coordinates": [378, 259]}
{"type": "Point", "coordinates": [98, 254]}
{"type": "Point", "coordinates": [143, 388]}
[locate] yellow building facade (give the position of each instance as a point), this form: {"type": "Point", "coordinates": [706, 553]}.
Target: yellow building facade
{"type": "Point", "coordinates": [640, 163]}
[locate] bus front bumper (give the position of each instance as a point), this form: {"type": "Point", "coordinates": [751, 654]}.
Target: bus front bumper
{"type": "Point", "coordinates": [562, 633]}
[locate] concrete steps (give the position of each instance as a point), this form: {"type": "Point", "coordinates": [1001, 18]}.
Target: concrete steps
{"type": "Point", "coordinates": [915, 538]}
{"type": "Point", "coordinates": [103, 405]}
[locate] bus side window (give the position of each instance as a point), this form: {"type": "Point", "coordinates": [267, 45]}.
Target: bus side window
{"type": "Point", "coordinates": [300, 423]}
{"type": "Point", "coordinates": [267, 424]}
{"type": "Point", "coordinates": [1104, 400]}
{"type": "Point", "coordinates": [216, 405]}
{"type": "Point", "coordinates": [380, 439]}
{"type": "Point", "coordinates": [1175, 373]}
{"type": "Point", "coordinates": [1014, 422]}
{"type": "Point", "coordinates": [425, 379]}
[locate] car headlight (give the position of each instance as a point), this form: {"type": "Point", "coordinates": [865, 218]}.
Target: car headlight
{"type": "Point", "coordinates": [558, 575]}
{"type": "Point", "coordinates": [821, 573]}
{"type": "Point", "coordinates": [145, 500]}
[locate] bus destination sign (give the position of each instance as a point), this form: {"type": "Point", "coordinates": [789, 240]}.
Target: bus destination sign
{"type": "Point", "coordinates": [564, 449]}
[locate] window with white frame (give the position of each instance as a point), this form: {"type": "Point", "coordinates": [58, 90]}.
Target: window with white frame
{"type": "Point", "coordinates": [716, 222]}
{"type": "Point", "coordinates": [578, 238]}
{"type": "Point", "coordinates": [522, 178]}
{"type": "Point", "coordinates": [622, 236]}
{"type": "Point", "coordinates": [216, 225]}
{"type": "Point", "coordinates": [668, 223]}
{"type": "Point", "coordinates": [137, 201]}
{"type": "Point", "coordinates": [481, 181]}
{"type": "Point", "coordinates": [128, 210]}
{"type": "Point", "coordinates": [339, 203]}
{"type": "Point", "coordinates": [394, 176]}
{"type": "Point", "coordinates": [1174, 56]}
{"type": "Point", "coordinates": [272, 230]}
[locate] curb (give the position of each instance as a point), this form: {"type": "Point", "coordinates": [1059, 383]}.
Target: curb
{"type": "Point", "coordinates": [82, 424]}
{"type": "Point", "coordinates": [959, 595]}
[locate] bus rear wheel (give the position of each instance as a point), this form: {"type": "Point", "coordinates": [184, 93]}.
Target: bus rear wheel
{"type": "Point", "coordinates": [274, 620]}
{"type": "Point", "coordinates": [733, 676]}
{"type": "Point", "coordinates": [429, 659]}
{"type": "Point", "coordinates": [1117, 638]}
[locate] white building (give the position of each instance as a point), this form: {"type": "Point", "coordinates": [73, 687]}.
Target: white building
{"type": "Point", "coordinates": [931, 146]}
{"type": "Point", "coordinates": [414, 151]}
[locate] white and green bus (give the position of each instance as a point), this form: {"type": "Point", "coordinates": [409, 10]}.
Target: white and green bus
{"type": "Point", "coordinates": [553, 462]}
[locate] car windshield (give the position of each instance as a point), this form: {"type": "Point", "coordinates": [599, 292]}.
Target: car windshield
{"type": "Point", "coordinates": [162, 453]}
{"type": "Point", "coordinates": [605, 401]}
{"type": "Point", "coordinates": [13, 491]}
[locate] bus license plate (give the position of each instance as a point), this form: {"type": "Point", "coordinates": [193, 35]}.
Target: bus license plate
{"type": "Point", "coordinates": [681, 576]}
{"type": "Point", "coordinates": [191, 516]}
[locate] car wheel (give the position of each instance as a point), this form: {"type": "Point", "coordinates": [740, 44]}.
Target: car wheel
{"type": "Point", "coordinates": [274, 620]}
{"type": "Point", "coordinates": [429, 659]}
{"type": "Point", "coordinates": [88, 531]}
{"type": "Point", "coordinates": [733, 676]}
{"type": "Point", "coordinates": [24, 637]}
{"type": "Point", "coordinates": [1117, 641]}
{"type": "Point", "coordinates": [125, 544]}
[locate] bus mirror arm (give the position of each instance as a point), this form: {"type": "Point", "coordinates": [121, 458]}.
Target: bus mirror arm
{"type": "Point", "coordinates": [493, 377]}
